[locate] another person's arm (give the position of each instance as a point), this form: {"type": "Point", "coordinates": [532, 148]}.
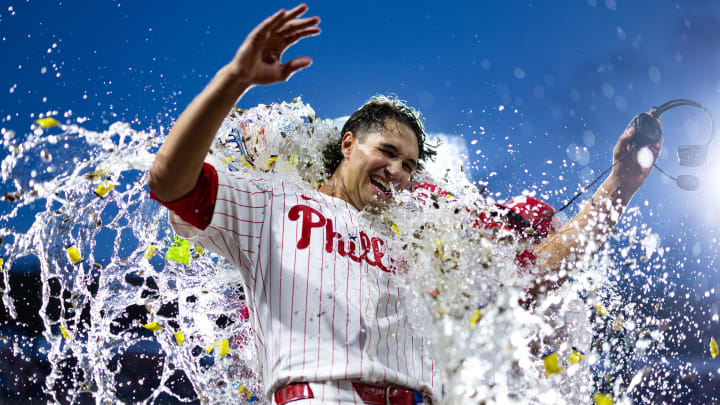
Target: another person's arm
{"type": "Point", "coordinates": [587, 231]}
{"type": "Point", "coordinates": [179, 161]}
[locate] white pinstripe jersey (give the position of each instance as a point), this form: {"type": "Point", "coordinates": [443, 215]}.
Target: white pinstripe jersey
{"type": "Point", "coordinates": [318, 285]}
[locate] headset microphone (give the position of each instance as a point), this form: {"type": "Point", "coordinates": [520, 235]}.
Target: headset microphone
{"type": "Point", "coordinates": [648, 131]}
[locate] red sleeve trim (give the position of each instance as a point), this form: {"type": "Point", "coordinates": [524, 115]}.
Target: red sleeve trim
{"type": "Point", "coordinates": [197, 206]}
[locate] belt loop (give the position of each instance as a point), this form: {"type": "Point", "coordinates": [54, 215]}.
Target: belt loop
{"type": "Point", "coordinates": [387, 394]}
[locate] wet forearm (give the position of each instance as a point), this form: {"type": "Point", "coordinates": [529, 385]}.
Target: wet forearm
{"type": "Point", "coordinates": [584, 235]}
{"type": "Point", "coordinates": [179, 161]}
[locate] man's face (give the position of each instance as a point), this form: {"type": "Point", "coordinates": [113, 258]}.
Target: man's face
{"type": "Point", "coordinates": [386, 158]}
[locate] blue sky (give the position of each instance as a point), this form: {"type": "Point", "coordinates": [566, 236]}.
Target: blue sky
{"type": "Point", "coordinates": [565, 73]}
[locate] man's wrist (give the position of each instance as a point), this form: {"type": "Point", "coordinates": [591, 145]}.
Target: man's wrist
{"type": "Point", "coordinates": [617, 190]}
{"type": "Point", "coordinates": [231, 83]}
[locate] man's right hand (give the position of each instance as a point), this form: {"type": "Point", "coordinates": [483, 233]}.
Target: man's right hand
{"type": "Point", "coordinates": [258, 60]}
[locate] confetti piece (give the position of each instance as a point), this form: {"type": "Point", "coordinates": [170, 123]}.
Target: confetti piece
{"type": "Point", "coordinates": [439, 246]}
{"type": "Point", "coordinates": [74, 254]}
{"type": "Point", "coordinates": [103, 189]}
{"type": "Point", "coordinates": [179, 337]}
{"type": "Point", "coordinates": [434, 293]}
{"type": "Point", "coordinates": [713, 348]}
{"type": "Point", "coordinates": [48, 122]}
{"type": "Point", "coordinates": [224, 348]}
{"type": "Point", "coordinates": [153, 326]}
{"type": "Point", "coordinates": [150, 252]}
{"type": "Point", "coordinates": [603, 399]}
{"type": "Point", "coordinates": [476, 317]}
{"type": "Point", "coordinates": [395, 230]}
{"type": "Point", "coordinates": [64, 332]}
{"type": "Point", "coordinates": [575, 356]}
{"type": "Point", "coordinates": [247, 162]}
{"type": "Point", "coordinates": [241, 389]}
{"type": "Point", "coordinates": [2, 262]}
{"type": "Point", "coordinates": [199, 250]}
{"type": "Point", "coordinates": [179, 251]}
{"type": "Point", "coordinates": [552, 365]}
{"type": "Point", "coordinates": [600, 310]}
{"type": "Point", "coordinates": [270, 163]}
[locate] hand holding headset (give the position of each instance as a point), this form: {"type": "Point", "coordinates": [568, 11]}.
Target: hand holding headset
{"type": "Point", "coordinates": [647, 132]}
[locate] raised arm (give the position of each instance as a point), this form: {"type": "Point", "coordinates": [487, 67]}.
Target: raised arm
{"type": "Point", "coordinates": [586, 233]}
{"type": "Point", "coordinates": [179, 161]}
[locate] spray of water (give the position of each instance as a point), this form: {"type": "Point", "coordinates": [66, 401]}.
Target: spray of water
{"type": "Point", "coordinates": [128, 288]}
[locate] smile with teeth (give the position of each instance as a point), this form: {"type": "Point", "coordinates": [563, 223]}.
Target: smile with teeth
{"type": "Point", "coordinates": [380, 184]}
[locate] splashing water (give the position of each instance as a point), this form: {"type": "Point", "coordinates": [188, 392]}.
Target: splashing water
{"type": "Point", "coordinates": [127, 288]}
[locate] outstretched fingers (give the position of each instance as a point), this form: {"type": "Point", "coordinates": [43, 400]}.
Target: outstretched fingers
{"type": "Point", "coordinates": [294, 65]}
{"type": "Point", "coordinates": [294, 13]}
{"type": "Point", "coordinates": [269, 24]}
{"type": "Point", "coordinates": [291, 39]}
{"type": "Point", "coordinates": [293, 26]}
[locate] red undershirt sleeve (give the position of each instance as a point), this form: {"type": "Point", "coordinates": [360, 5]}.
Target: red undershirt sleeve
{"type": "Point", "coordinates": [196, 207]}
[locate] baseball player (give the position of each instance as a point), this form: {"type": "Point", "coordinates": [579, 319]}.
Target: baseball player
{"type": "Point", "coordinates": [315, 266]}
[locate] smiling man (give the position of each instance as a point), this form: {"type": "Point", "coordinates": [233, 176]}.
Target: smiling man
{"type": "Point", "coordinates": [381, 147]}
{"type": "Point", "coordinates": [317, 275]}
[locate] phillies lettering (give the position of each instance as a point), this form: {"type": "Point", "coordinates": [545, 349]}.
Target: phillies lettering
{"type": "Point", "coordinates": [314, 219]}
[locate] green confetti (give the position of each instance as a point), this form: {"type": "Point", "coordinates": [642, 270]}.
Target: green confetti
{"type": "Point", "coordinates": [179, 251]}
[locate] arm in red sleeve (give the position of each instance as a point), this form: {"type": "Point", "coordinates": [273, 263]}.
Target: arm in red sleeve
{"type": "Point", "coordinates": [196, 207]}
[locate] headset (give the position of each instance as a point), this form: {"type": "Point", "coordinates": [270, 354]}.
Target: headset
{"type": "Point", "coordinates": [648, 131]}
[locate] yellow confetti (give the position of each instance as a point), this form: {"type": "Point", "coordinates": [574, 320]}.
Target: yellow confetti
{"type": "Point", "coordinates": [241, 389]}
{"type": "Point", "coordinates": [224, 348]}
{"type": "Point", "coordinates": [150, 252]}
{"type": "Point", "coordinates": [64, 332]}
{"type": "Point", "coordinates": [600, 310]}
{"type": "Point", "coordinates": [153, 326]}
{"type": "Point", "coordinates": [247, 162]}
{"type": "Point", "coordinates": [103, 189]}
{"type": "Point", "coordinates": [48, 122]}
{"type": "Point", "coordinates": [552, 366]}
{"type": "Point", "coordinates": [603, 399]}
{"type": "Point", "coordinates": [179, 337]}
{"type": "Point", "coordinates": [270, 163]}
{"type": "Point", "coordinates": [2, 262]}
{"type": "Point", "coordinates": [395, 229]}
{"type": "Point", "coordinates": [476, 317]}
{"type": "Point", "coordinates": [439, 246]}
{"type": "Point", "coordinates": [199, 250]}
{"type": "Point", "coordinates": [575, 356]}
{"type": "Point", "coordinates": [74, 254]}
{"type": "Point", "coordinates": [714, 348]}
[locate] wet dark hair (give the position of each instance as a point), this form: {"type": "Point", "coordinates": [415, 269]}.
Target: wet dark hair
{"type": "Point", "coordinates": [372, 116]}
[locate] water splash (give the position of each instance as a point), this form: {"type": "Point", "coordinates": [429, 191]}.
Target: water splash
{"type": "Point", "coordinates": [128, 289]}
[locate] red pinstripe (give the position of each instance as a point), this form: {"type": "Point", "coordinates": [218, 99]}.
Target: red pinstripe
{"type": "Point", "coordinates": [239, 219]}
{"type": "Point", "coordinates": [397, 330]}
{"type": "Point", "coordinates": [270, 273]}
{"type": "Point", "coordinates": [322, 271]}
{"type": "Point", "coordinates": [347, 299]}
{"type": "Point", "coordinates": [387, 337]}
{"type": "Point", "coordinates": [307, 289]}
{"type": "Point", "coordinates": [282, 254]}
{"type": "Point", "coordinates": [237, 204]}
{"type": "Point", "coordinates": [292, 299]}
{"type": "Point", "coordinates": [241, 190]}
